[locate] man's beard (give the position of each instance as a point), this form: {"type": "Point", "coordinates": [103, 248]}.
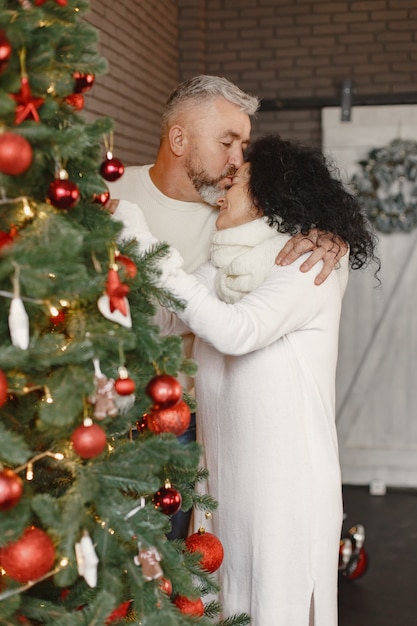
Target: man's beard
{"type": "Point", "coordinates": [207, 187]}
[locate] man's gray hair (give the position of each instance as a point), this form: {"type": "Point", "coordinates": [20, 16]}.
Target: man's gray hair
{"type": "Point", "coordinates": [205, 88]}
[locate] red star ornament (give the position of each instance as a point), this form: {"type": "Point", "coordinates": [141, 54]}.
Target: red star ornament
{"type": "Point", "coordinates": [27, 107]}
{"type": "Point", "coordinates": [117, 292]}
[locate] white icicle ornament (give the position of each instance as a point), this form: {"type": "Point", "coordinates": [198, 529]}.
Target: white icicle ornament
{"type": "Point", "coordinates": [87, 559]}
{"type": "Point", "coordinates": [18, 324]}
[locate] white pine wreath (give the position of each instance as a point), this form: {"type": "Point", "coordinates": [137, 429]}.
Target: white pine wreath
{"type": "Point", "coordinates": [386, 186]}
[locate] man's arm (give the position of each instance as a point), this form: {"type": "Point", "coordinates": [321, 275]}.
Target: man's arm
{"type": "Point", "coordinates": [322, 245]}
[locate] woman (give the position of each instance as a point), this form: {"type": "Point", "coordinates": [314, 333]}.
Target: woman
{"type": "Point", "coordinates": [266, 350]}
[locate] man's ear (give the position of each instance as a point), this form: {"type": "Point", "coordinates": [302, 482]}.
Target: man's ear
{"type": "Point", "coordinates": [177, 140]}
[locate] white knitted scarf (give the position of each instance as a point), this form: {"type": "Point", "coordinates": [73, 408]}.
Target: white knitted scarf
{"type": "Point", "coordinates": [244, 255]}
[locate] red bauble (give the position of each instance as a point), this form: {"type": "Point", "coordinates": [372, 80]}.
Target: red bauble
{"type": "Point", "coordinates": [5, 239]}
{"type": "Point", "coordinates": [64, 194]}
{"type": "Point", "coordinates": [189, 607]}
{"type": "Point", "coordinates": [30, 557]}
{"type": "Point", "coordinates": [76, 100]}
{"type": "Point", "coordinates": [165, 585]}
{"type": "Point", "coordinates": [15, 154]}
{"type": "Point", "coordinates": [3, 388]}
{"type": "Point", "coordinates": [210, 547]}
{"type": "Point", "coordinates": [142, 424]}
{"type": "Point", "coordinates": [175, 419]}
{"type": "Point", "coordinates": [89, 440]}
{"type": "Point", "coordinates": [5, 50]}
{"type": "Point", "coordinates": [101, 198]}
{"type": "Point", "coordinates": [119, 612]}
{"type": "Point", "coordinates": [127, 264]}
{"type": "Point", "coordinates": [358, 565]}
{"type": "Point", "coordinates": [11, 489]}
{"type": "Point", "coordinates": [58, 319]}
{"type": "Point", "coordinates": [124, 386]}
{"type": "Point", "coordinates": [111, 169]}
{"type": "Point", "coordinates": [168, 500]}
{"type": "Point", "coordinates": [83, 82]}
{"type": "Point", "coordinates": [164, 390]}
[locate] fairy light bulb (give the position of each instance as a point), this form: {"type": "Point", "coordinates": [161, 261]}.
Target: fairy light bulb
{"type": "Point", "coordinates": [27, 210]}
{"type": "Point", "coordinates": [29, 471]}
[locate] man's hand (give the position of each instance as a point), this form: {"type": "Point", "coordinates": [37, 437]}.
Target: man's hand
{"type": "Point", "coordinates": [322, 245]}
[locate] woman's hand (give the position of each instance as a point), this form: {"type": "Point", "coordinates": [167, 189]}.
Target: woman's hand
{"type": "Point", "coordinates": [322, 245]}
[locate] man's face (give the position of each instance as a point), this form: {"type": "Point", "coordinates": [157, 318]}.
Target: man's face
{"type": "Point", "coordinates": [218, 133]}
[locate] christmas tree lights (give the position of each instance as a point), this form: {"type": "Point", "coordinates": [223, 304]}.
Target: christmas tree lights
{"type": "Point", "coordinates": [86, 487]}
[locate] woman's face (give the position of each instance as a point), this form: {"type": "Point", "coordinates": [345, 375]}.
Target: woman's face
{"type": "Point", "coordinates": [236, 206]}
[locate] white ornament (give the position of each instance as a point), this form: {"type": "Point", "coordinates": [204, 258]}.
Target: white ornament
{"type": "Point", "coordinates": [117, 316]}
{"type": "Point", "coordinates": [18, 324]}
{"type": "Point", "coordinates": [87, 559]}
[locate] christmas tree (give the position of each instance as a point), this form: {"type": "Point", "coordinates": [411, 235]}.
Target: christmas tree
{"type": "Point", "coordinates": [91, 469]}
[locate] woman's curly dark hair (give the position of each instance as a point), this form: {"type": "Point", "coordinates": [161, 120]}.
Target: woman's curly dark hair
{"type": "Point", "coordinates": [293, 186]}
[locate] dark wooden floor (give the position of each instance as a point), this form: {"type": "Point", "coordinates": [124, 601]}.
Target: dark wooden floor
{"type": "Point", "coordinates": [387, 594]}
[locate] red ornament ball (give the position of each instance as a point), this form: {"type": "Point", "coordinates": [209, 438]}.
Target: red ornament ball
{"type": "Point", "coordinates": [30, 557]}
{"type": "Point", "coordinates": [15, 154]}
{"type": "Point", "coordinates": [112, 169]}
{"type": "Point", "coordinates": [101, 198]}
{"type": "Point", "coordinates": [83, 82]}
{"type": "Point", "coordinates": [189, 607]}
{"type": "Point", "coordinates": [3, 388]}
{"type": "Point", "coordinates": [209, 546]}
{"type": "Point", "coordinates": [89, 440]}
{"type": "Point", "coordinates": [164, 390]}
{"type": "Point", "coordinates": [5, 239]}
{"type": "Point", "coordinates": [64, 194]}
{"type": "Point", "coordinates": [76, 100]}
{"type": "Point", "coordinates": [124, 386]}
{"type": "Point", "coordinates": [58, 318]}
{"type": "Point", "coordinates": [11, 489]}
{"type": "Point", "coordinates": [168, 500]}
{"type": "Point", "coordinates": [142, 424]}
{"type": "Point", "coordinates": [358, 565]}
{"type": "Point", "coordinates": [5, 50]}
{"type": "Point", "coordinates": [119, 612]}
{"type": "Point", "coordinates": [165, 585]}
{"type": "Point", "coordinates": [175, 419]}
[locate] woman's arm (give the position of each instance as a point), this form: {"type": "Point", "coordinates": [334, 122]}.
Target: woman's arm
{"type": "Point", "coordinates": [287, 300]}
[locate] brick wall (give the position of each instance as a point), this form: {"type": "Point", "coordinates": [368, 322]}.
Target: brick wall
{"type": "Point", "coordinates": [277, 49]}
{"type": "Point", "coordinates": [139, 39]}
{"type": "Point", "coordinates": [302, 49]}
